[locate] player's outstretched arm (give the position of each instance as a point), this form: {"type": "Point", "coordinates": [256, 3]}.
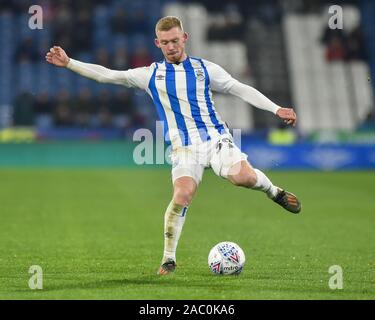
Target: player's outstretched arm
{"type": "Point", "coordinates": [58, 57]}
{"type": "Point", "coordinates": [222, 81]}
{"type": "Point", "coordinates": [257, 99]}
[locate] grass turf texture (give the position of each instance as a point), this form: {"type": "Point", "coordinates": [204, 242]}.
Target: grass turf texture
{"type": "Point", "coordinates": [98, 234]}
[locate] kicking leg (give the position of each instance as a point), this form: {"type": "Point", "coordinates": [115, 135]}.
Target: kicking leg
{"type": "Point", "coordinates": [183, 191]}
{"type": "Point", "coordinates": [242, 174]}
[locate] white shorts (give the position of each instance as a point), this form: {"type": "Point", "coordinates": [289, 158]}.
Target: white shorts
{"type": "Point", "coordinates": [219, 153]}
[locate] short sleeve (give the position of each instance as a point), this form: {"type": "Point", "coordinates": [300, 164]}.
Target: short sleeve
{"type": "Point", "coordinates": [220, 80]}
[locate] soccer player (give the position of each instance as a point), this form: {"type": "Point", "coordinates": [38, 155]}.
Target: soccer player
{"type": "Point", "coordinates": [181, 89]}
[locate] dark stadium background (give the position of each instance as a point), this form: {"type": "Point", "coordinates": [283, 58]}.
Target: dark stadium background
{"type": "Point", "coordinates": [40, 102]}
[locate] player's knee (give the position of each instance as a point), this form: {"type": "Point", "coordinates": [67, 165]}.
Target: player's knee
{"type": "Point", "coordinates": [183, 196]}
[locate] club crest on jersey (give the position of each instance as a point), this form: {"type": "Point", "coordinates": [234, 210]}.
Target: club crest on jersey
{"type": "Point", "coordinates": [199, 74]}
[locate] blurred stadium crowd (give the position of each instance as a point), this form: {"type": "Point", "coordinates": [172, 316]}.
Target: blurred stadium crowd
{"type": "Point", "coordinates": [115, 34]}
{"type": "Point", "coordinates": [118, 35]}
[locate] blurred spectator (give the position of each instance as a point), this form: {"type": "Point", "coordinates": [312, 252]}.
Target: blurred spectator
{"type": "Point", "coordinates": [63, 22]}
{"type": "Point", "coordinates": [234, 22]}
{"type": "Point", "coordinates": [104, 99]}
{"type": "Point", "coordinates": [78, 5]}
{"type": "Point", "coordinates": [140, 120]}
{"type": "Point", "coordinates": [216, 30]}
{"type": "Point", "coordinates": [23, 110]}
{"type": "Point", "coordinates": [269, 12]}
{"type": "Point", "coordinates": [123, 103]}
{"type": "Point", "coordinates": [105, 118]}
{"type": "Point", "coordinates": [302, 6]}
{"type": "Point", "coordinates": [356, 45]}
{"type": "Point", "coordinates": [344, 46]}
{"type": "Point", "coordinates": [311, 6]}
{"type": "Point", "coordinates": [63, 113]}
{"type": "Point", "coordinates": [48, 11]}
{"type": "Point", "coordinates": [370, 117]}
{"type": "Point", "coordinates": [43, 104]}
{"type": "Point", "coordinates": [16, 6]}
{"type": "Point", "coordinates": [102, 57]}
{"type": "Point", "coordinates": [329, 34]}
{"type": "Point", "coordinates": [227, 26]}
{"type": "Point", "coordinates": [104, 102]}
{"type": "Point", "coordinates": [139, 22]}
{"type": "Point", "coordinates": [63, 27]}
{"type": "Point", "coordinates": [335, 50]}
{"type": "Point", "coordinates": [43, 109]}
{"type": "Point", "coordinates": [335, 44]}
{"type": "Point", "coordinates": [27, 52]}
{"type": "Point", "coordinates": [83, 108]}
{"type": "Point", "coordinates": [44, 46]}
{"type": "Point", "coordinates": [63, 96]}
{"type": "Point", "coordinates": [72, 25]}
{"type": "Point", "coordinates": [120, 23]}
{"type": "Point", "coordinates": [6, 6]}
{"type": "Point", "coordinates": [83, 31]}
{"type": "Point", "coordinates": [123, 109]}
{"type": "Point", "coordinates": [141, 58]}
{"type": "Point", "coordinates": [121, 59]}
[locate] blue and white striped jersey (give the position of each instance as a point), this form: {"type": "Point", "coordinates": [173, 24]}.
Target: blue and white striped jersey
{"type": "Point", "coordinates": [183, 97]}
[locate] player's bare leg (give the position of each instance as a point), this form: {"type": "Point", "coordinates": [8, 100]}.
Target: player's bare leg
{"type": "Point", "coordinates": [242, 174]}
{"type": "Point", "coordinates": [183, 191]}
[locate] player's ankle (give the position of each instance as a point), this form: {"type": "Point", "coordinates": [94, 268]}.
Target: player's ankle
{"type": "Point", "coordinates": [168, 257]}
{"type": "Point", "coordinates": [273, 192]}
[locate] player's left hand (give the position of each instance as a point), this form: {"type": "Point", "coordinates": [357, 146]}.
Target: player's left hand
{"type": "Point", "coordinates": [288, 115]}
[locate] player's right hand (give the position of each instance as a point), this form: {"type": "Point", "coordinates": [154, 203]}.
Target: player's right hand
{"type": "Point", "coordinates": [57, 56]}
{"type": "Point", "coordinates": [288, 115]}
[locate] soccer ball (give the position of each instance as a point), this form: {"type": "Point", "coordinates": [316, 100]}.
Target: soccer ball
{"type": "Point", "coordinates": [226, 258]}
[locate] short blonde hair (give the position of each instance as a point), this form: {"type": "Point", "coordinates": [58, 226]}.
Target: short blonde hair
{"type": "Point", "coordinates": [167, 23]}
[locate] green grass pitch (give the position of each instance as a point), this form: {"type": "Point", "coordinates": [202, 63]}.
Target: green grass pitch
{"type": "Point", "coordinates": [98, 234]}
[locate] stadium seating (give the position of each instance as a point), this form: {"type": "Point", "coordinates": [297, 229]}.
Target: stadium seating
{"type": "Point", "coordinates": [6, 54]}
{"type": "Point", "coordinates": [327, 95]}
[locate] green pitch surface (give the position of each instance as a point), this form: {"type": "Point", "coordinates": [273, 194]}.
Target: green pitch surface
{"type": "Point", "coordinates": [98, 234]}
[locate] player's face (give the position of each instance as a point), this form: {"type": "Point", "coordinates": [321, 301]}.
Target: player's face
{"type": "Point", "coordinates": [172, 44]}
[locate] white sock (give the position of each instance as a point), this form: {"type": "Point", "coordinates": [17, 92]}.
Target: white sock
{"type": "Point", "coordinates": [264, 184]}
{"type": "Point", "coordinates": [174, 219]}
